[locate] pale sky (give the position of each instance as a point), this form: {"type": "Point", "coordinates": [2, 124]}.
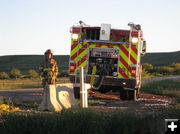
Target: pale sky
{"type": "Point", "coordinates": [32, 26]}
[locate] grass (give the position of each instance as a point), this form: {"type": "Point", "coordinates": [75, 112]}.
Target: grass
{"type": "Point", "coordinates": [25, 83]}
{"type": "Point", "coordinates": [169, 88]}
{"type": "Point", "coordinates": [8, 101]}
{"type": "Point", "coordinates": [19, 84]}
{"type": "Point", "coordinates": [85, 121]}
{"type": "Point", "coordinates": [89, 121]}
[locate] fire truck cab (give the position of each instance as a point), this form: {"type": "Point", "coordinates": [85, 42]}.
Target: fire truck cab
{"type": "Point", "coordinates": [110, 58]}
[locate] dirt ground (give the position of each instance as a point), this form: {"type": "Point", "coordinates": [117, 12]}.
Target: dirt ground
{"type": "Point", "coordinates": [145, 103]}
{"type": "Point", "coordinates": [111, 101]}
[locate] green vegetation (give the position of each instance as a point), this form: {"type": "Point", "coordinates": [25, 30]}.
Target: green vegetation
{"type": "Point", "coordinates": [176, 67]}
{"type": "Point", "coordinates": [26, 83]}
{"type": "Point", "coordinates": [85, 121]}
{"type": "Point", "coordinates": [90, 121]}
{"type": "Point", "coordinates": [26, 62]}
{"type": "Point", "coordinates": [16, 73]}
{"type": "Point", "coordinates": [64, 73]}
{"type": "Point", "coordinates": [4, 75]}
{"type": "Point", "coordinates": [161, 59]}
{"type": "Point", "coordinates": [149, 70]}
{"type": "Point", "coordinates": [33, 74]}
{"type": "Point", "coordinates": [20, 83]}
{"type": "Point", "coordinates": [8, 101]}
{"type": "Point", "coordinates": [169, 88]}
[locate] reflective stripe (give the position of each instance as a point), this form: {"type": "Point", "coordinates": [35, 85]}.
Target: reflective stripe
{"type": "Point", "coordinates": [83, 64]}
{"type": "Point", "coordinates": [127, 56]}
{"type": "Point", "coordinates": [47, 77]}
{"type": "Point", "coordinates": [84, 53]}
{"type": "Point", "coordinates": [74, 51]}
{"type": "Point", "coordinates": [48, 69]}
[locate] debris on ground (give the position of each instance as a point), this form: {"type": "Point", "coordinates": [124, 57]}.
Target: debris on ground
{"type": "Point", "coordinates": [8, 108]}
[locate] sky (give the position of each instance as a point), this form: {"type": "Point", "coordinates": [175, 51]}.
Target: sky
{"type": "Point", "coordinates": [32, 26]}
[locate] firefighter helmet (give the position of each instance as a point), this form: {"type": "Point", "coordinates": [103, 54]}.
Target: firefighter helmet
{"type": "Point", "coordinates": [49, 51]}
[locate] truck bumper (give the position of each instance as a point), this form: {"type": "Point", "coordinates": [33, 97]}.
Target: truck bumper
{"type": "Point", "coordinates": [108, 81]}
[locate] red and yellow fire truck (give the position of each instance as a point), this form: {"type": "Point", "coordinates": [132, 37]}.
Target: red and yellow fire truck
{"type": "Point", "coordinates": [110, 58]}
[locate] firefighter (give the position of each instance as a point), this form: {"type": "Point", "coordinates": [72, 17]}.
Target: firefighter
{"type": "Point", "coordinates": [48, 69]}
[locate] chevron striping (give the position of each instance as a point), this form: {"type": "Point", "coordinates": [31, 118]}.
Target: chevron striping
{"type": "Point", "coordinates": [76, 49]}
{"type": "Point", "coordinates": [122, 73]}
{"type": "Point", "coordinates": [126, 52]}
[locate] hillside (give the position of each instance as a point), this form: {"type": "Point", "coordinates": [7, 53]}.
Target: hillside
{"type": "Point", "coordinates": [26, 62]}
{"type": "Point", "coordinates": [159, 59]}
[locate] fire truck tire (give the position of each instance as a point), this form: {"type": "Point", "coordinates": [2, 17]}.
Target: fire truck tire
{"type": "Point", "coordinates": [77, 92]}
{"type": "Point", "coordinates": [123, 94]}
{"type": "Point", "coordinates": [104, 89]}
{"type": "Point", "coordinates": [132, 95]}
{"type": "Point", "coordinates": [128, 94]}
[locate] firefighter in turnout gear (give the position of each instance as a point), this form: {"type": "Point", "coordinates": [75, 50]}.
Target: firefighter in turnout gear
{"type": "Point", "coordinates": [48, 69]}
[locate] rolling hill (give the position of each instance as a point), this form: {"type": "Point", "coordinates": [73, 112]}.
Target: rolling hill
{"type": "Point", "coordinates": [26, 62]}
{"type": "Point", "coordinates": [160, 59]}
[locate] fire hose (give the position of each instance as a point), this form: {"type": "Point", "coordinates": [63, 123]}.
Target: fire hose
{"type": "Point", "coordinates": [102, 73]}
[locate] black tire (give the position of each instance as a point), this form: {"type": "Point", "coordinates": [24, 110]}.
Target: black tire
{"type": "Point", "coordinates": [104, 89]}
{"type": "Point", "coordinates": [77, 92]}
{"type": "Point", "coordinates": [132, 95]}
{"type": "Point", "coordinates": [128, 94]}
{"type": "Point", "coordinates": [123, 94]}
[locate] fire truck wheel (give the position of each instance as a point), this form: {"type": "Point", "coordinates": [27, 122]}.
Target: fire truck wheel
{"type": "Point", "coordinates": [128, 94]}
{"type": "Point", "coordinates": [132, 95]}
{"type": "Point", "coordinates": [77, 92]}
{"type": "Point", "coordinates": [123, 94]}
{"type": "Point", "coordinates": [104, 89]}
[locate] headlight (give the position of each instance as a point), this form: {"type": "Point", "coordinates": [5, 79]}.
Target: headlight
{"type": "Point", "coordinates": [134, 40]}
{"type": "Point", "coordinates": [74, 36]}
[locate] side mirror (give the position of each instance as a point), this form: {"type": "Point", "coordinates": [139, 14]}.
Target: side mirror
{"type": "Point", "coordinates": [143, 48]}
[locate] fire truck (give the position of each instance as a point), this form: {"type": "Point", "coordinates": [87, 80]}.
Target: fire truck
{"type": "Point", "coordinates": [110, 58]}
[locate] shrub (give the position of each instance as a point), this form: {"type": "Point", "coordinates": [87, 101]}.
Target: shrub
{"type": "Point", "coordinates": [16, 73]}
{"type": "Point", "coordinates": [4, 75]}
{"type": "Point", "coordinates": [64, 73]}
{"type": "Point", "coordinates": [147, 66]}
{"type": "Point", "coordinates": [165, 70]}
{"type": "Point", "coordinates": [145, 74]}
{"type": "Point", "coordinates": [32, 73]}
{"type": "Point", "coordinates": [176, 67]}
